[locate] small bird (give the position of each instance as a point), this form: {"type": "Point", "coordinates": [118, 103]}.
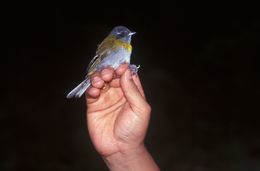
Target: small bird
{"type": "Point", "coordinates": [114, 50]}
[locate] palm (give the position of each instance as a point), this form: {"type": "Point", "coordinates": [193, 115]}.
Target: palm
{"type": "Point", "coordinates": [106, 118]}
{"type": "Point", "coordinates": [112, 124]}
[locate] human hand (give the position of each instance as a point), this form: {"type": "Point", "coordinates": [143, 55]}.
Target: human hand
{"type": "Point", "coordinates": [118, 116]}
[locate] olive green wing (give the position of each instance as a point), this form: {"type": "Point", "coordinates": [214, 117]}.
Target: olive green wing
{"type": "Point", "coordinates": [103, 50]}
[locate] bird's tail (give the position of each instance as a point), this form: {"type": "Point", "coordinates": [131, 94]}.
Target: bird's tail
{"type": "Point", "coordinates": [79, 90]}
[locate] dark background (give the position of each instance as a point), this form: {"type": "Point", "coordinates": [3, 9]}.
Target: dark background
{"type": "Point", "coordinates": [198, 67]}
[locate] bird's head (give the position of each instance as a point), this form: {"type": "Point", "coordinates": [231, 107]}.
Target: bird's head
{"type": "Point", "coordinates": [122, 33]}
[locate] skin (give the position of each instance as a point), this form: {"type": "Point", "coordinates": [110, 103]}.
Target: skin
{"type": "Point", "coordinates": [118, 116]}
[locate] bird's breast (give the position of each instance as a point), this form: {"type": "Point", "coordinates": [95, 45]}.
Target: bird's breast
{"type": "Point", "coordinates": [115, 58]}
{"type": "Point", "coordinates": [124, 45]}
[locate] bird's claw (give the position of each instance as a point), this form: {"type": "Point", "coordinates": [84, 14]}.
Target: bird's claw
{"type": "Point", "coordinates": [134, 69]}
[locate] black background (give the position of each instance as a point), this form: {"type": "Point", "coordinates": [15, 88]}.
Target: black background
{"type": "Point", "coordinates": [199, 70]}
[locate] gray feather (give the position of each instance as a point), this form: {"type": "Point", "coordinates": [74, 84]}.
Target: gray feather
{"type": "Point", "coordinates": [79, 90]}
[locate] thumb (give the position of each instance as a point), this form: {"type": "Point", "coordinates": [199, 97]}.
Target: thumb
{"type": "Point", "coordinates": [132, 94]}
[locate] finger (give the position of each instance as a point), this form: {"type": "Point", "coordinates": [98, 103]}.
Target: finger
{"type": "Point", "coordinates": [107, 74]}
{"type": "Point", "coordinates": [95, 74]}
{"type": "Point", "coordinates": [115, 82]}
{"type": "Point", "coordinates": [93, 92]}
{"type": "Point", "coordinates": [90, 100]}
{"type": "Point", "coordinates": [138, 84]}
{"type": "Point", "coordinates": [132, 94]}
{"type": "Point", "coordinates": [96, 80]}
{"type": "Point", "coordinates": [121, 69]}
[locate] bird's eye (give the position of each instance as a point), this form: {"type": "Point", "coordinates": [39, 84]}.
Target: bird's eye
{"type": "Point", "coordinates": [120, 33]}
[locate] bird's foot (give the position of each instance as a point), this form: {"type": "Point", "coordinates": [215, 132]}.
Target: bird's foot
{"type": "Point", "coordinates": [134, 68]}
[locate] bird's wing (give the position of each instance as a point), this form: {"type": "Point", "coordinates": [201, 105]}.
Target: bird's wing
{"type": "Point", "coordinates": [103, 50]}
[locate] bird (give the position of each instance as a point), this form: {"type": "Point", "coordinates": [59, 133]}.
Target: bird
{"type": "Point", "coordinates": [114, 50]}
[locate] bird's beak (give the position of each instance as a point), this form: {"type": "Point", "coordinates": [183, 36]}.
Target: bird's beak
{"type": "Point", "coordinates": [131, 33]}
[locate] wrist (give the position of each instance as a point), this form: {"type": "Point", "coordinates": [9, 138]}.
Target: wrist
{"type": "Point", "coordinates": [132, 159]}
